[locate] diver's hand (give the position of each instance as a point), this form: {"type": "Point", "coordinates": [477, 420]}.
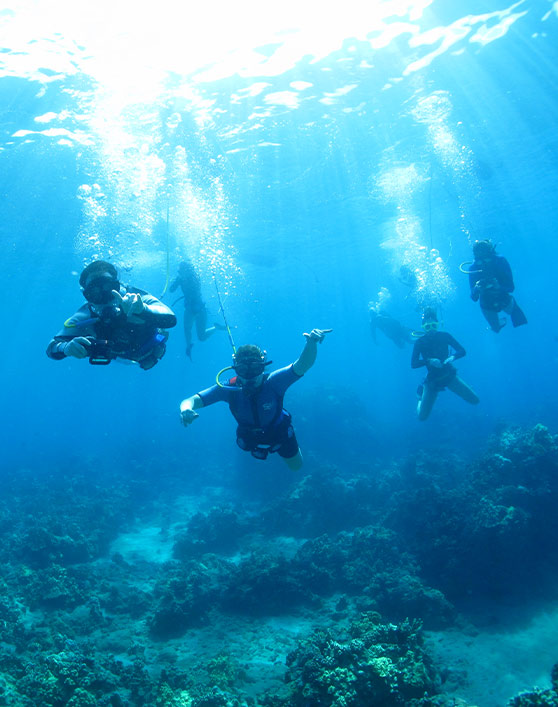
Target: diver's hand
{"type": "Point", "coordinates": [489, 283]}
{"type": "Point", "coordinates": [131, 303]}
{"type": "Point", "coordinates": [317, 335]}
{"type": "Point", "coordinates": [435, 363]}
{"type": "Point", "coordinates": [188, 416]}
{"type": "Point", "coordinates": [77, 347]}
{"type": "Point", "coordinates": [449, 359]}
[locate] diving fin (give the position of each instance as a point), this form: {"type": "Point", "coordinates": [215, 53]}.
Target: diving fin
{"type": "Point", "coordinates": [517, 316]}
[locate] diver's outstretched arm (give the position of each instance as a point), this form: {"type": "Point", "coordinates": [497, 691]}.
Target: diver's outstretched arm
{"type": "Point", "coordinates": [308, 356]}
{"type": "Point", "coordinates": [188, 409]}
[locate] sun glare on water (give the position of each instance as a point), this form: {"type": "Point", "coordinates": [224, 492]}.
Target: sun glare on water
{"type": "Point", "coordinates": [142, 67]}
{"type": "Point", "coordinates": [133, 46]}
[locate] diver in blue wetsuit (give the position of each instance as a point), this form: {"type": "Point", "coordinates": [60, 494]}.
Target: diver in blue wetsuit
{"type": "Point", "coordinates": [256, 400]}
{"type": "Point", "coordinates": [117, 321]}
{"type": "Point", "coordinates": [491, 282]}
{"type": "Point", "coordinates": [432, 350]}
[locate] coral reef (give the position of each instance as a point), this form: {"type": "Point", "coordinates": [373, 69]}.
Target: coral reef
{"type": "Point", "coordinates": [285, 590]}
{"type": "Point", "coordinates": [468, 536]}
{"type": "Point", "coordinates": [217, 531]}
{"type": "Point", "coordinates": [184, 596]}
{"type": "Point", "coordinates": [374, 663]}
{"type": "Point", "coordinates": [538, 697]}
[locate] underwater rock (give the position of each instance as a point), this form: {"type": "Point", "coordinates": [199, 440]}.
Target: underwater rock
{"type": "Point", "coordinates": [218, 531]}
{"type": "Point", "coordinates": [62, 518]}
{"type": "Point", "coordinates": [184, 596]}
{"type": "Point", "coordinates": [224, 671]}
{"type": "Point", "coordinates": [41, 548]}
{"type": "Point", "coordinates": [53, 587]}
{"type": "Point", "coordinates": [538, 697]}
{"type": "Point", "coordinates": [372, 663]}
{"type": "Point", "coordinates": [264, 585]}
{"type": "Point", "coordinates": [74, 676]}
{"type": "Point", "coordinates": [410, 539]}
{"type": "Point", "coordinates": [370, 563]}
{"type": "Point", "coordinates": [467, 537]}
{"type": "Point", "coordinates": [323, 502]}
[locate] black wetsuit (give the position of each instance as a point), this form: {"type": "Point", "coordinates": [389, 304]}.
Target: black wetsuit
{"type": "Point", "coordinates": [191, 289]}
{"type": "Point", "coordinates": [491, 282]}
{"type": "Point", "coordinates": [138, 337]}
{"type": "Point", "coordinates": [394, 330]}
{"type": "Point", "coordinates": [437, 345]}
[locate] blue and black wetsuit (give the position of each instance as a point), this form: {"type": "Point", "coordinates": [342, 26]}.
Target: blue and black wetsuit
{"type": "Point", "coordinates": [437, 345]}
{"type": "Point", "coordinates": [263, 424]}
{"type": "Point", "coordinates": [139, 337]}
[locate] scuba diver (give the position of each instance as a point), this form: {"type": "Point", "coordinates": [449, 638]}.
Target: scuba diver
{"type": "Point", "coordinates": [380, 319]}
{"type": "Point", "coordinates": [432, 349]}
{"type": "Point", "coordinates": [117, 321]}
{"type": "Point", "coordinates": [394, 330]}
{"type": "Point", "coordinates": [255, 399]}
{"type": "Point", "coordinates": [491, 282]}
{"type": "Point", "coordinates": [194, 307]}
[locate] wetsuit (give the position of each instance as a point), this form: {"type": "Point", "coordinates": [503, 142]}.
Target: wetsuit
{"type": "Point", "coordinates": [491, 282]}
{"type": "Point", "coordinates": [191, 289]}
{"type": "Point", "coordinates": [138, 337]}
{"type": "Point", "coordinates": [394, 330]}
{"type": "Point", "coordinates": [195, 311]}
{"type": "Point", "coordinates": [264, 426]}
{"type": "Point", "coordinates": [436, 345]}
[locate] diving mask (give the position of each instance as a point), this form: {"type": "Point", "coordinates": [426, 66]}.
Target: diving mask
{"type": "Point", "coordinates": [250, 366]}
{"type": "Point", "coordinates": [431, 325]}
{"type": "Point", "coordinates": [99, 290]}
{"type": "Point", "coordinates": [249, 369]}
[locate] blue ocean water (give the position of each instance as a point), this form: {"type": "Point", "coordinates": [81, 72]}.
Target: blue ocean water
{"type": "Point", "coordinates": [302, 172]}
{"type": "Point", "coordinates": [299, 158]}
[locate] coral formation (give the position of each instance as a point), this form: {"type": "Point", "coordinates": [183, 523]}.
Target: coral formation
{"type": "Point", "coordinates": [538, 697]}
{"type": "Point", "coordinates": [374, 663]}
{"type": "Point", "coordinates": [289, 586]}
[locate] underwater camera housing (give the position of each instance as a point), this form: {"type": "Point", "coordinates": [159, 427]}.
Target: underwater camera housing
{"type": "Point", "coordinates": [100, 352]}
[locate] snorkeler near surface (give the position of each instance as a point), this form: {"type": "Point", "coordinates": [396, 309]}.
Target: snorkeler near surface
{"type": "Point", "coordinates": [117, 322]}
{"type": "Point", "coordinates": [256, 400]}
{"type": "Point", "coordinates": [491, 282]}
{"type": "Point", "coordinates": [432, 349]}
{"type": "Point", "coordinates": [195, 311]}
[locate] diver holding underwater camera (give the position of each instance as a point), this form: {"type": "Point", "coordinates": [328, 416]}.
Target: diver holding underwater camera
{"type": "Point", "coordinates": [118, 321]}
